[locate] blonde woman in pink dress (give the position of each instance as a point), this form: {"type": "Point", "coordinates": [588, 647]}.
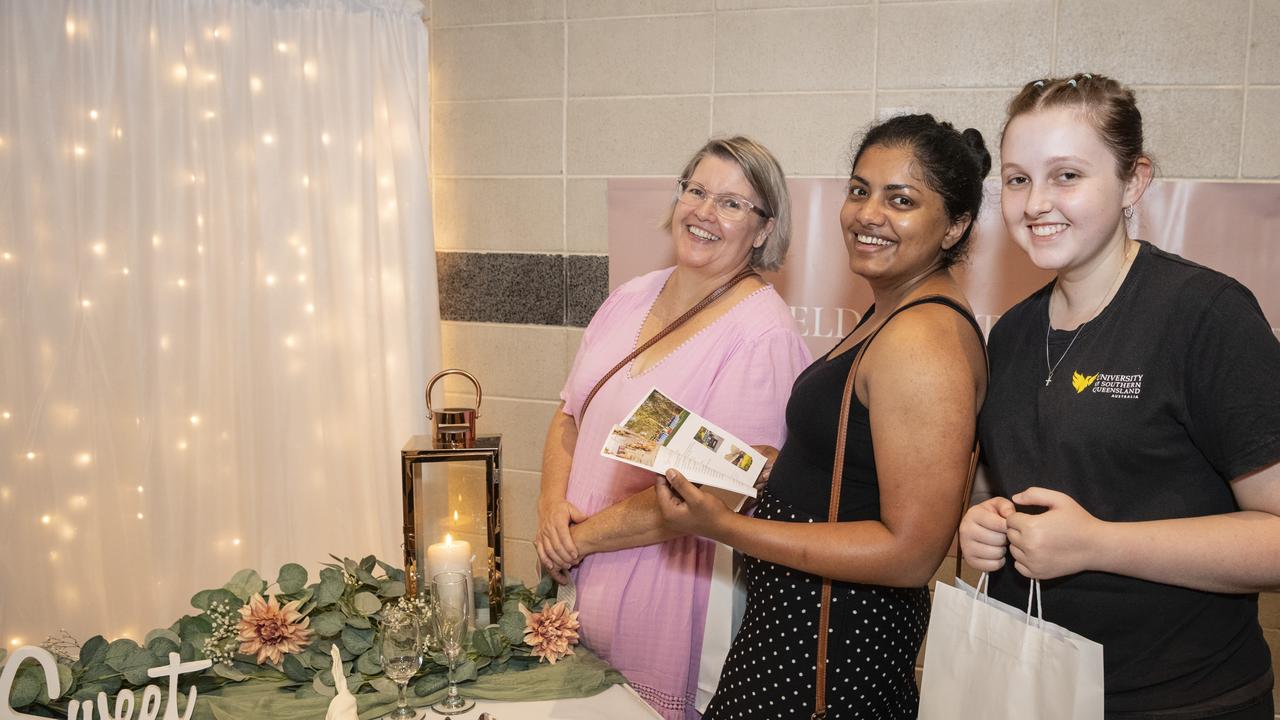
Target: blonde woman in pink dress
{"type": "Point", "coordinates": [642, 588]}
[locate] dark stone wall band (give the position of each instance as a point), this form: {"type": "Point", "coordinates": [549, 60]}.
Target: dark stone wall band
{"type": "Point", "coordinates": [521, 288]}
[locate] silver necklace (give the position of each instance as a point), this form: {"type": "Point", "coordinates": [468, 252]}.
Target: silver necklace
{"type": "Point", "coordinates": [1049, 325]}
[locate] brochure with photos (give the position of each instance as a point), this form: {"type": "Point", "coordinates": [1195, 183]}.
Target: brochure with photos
{"type": "Point", "coordinates": [660, 434]}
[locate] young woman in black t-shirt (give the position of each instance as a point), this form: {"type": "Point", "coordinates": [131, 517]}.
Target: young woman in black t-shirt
{"type": "Point", "coordinates": [1135, 403]}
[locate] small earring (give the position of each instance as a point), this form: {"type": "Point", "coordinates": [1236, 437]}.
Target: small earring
{"type": "Point", "coordinates": [1128, 212]}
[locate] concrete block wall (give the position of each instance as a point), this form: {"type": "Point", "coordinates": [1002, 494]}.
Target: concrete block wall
{"type": "Point", "coordinates": [535, 104]}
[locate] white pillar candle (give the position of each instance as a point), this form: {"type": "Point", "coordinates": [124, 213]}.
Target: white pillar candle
{"type": "Point", "coordinates": [448, 556]}
{"type": "Point", "coordinates": [452, 556]}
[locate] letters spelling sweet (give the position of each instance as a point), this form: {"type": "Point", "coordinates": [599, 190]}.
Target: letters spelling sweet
{"type": "Point", "coordinates": [149, 709]}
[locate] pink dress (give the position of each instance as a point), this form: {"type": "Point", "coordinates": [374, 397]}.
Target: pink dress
{"type": "Point", "coordinates": [643, 609]}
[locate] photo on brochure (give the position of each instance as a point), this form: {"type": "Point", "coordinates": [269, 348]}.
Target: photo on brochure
{"type": "Point", "coordinates": [660, 433]}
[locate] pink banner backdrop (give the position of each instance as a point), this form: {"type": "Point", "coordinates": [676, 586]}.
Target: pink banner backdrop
{"type": "Point", "coordinates": [1230, 227]}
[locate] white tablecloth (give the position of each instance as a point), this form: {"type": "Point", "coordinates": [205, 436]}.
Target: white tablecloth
{"type": "Point", "coordinates": [619, 702]}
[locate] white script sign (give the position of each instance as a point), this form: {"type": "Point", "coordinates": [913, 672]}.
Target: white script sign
{"type": "Point", "coordinates": [150, 707]}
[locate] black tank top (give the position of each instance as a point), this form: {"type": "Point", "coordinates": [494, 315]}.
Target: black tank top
{"type": "Point", "coordinates": [801, 476]}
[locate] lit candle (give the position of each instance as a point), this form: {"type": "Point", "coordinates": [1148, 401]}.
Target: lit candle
{"type": "Point", "coordinates": [452, 556]}
{"type": "Point", "coordinates": [449, 556]}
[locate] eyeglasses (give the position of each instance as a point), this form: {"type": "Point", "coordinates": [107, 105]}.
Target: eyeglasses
{"type": "Point", "coordinates": [730, 208]}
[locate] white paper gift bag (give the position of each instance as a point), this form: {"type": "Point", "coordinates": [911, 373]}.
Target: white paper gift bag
{"type": "Point", "coordinates": [985, 659]}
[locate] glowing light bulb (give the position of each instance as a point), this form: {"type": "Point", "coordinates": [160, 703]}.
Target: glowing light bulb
{"type": "Point", "coordinates": [45, 519]}
{"type": "Point", "coordinates": [210, 77]}
{"type": "Point", "coordinates": [209, 115]}
{"type": "Point", "coordinates": [99, 248]}
{"type": "Point", "coordinates": [325, 139]}
{"type": "Point", "coordinates": [235, 541]}
{"type": "Point", "coordinates": [255, 84]}
{"type": "Point", "coordinates": [192, 178]}
{"type": "Point", "coordinates": [124, 271]}
{"type": "Point", "coordinates": [118, 132]}
{"type": "Point", "coordinates": [195, 419]}
{"type": "Point", "coordinates": [31, 456]}
{"type": "Point", "coordinates": [182, 444]}
{"type": "Point", "coordinates": [53, 556]}
{"type": "Point", "coordinates": [79, 151]}
{"type": "Point", "coordinates": [180, 72]}
{"type": "Point", "coordinates": [15, 642]}
{"type": "Point", "coordinates": [6, 415]}
{"type": "Point", "coordinates": [311, 309]}
{"type": "Point", "coordinates": [268, 139]}
{"type": "Point", "coordinates": [309, 69]}
{"type": "Point", "coordinates": [384, 182]}
{"type": "Point", "coordinates": [140, 516]}
{"type": "Point", "coordinates": [302, 251]}
{"type": "Point", "coordinates": [290, 341]}
{"type": "Point", "coordinates": [282, 47]}
{"type": "Point", "coordinates": [93, 114]}
{"type": "Point", "coordinates": [306, 181]}
{"type": "Point", "coordinates": [302, 278]}
{"type": "Point", "coordinates": [270, 280]}
{"type": "Point", "coordinates": [4, 493]}
{"type": "Point", "coordinates": [7, 257]}
{"type": "Point", "coordinates": [200, 221]}
{"type": "Point", "coordinates": [86, 303]}
{"type": "Point", "coordinates": [71, 27]}
{"type": "Point", "coordinates": [84, 458]}
{"type": "Point", "coordinates": [140, 488]}
{"type": "Point", "coordinates": [182, 283]}
{"type": "Point", "coordinates": [199, 249]}
{"type": "Point", "coordinates": [164, 342]}
{"type": "Point", "coordinates": [156, 241]}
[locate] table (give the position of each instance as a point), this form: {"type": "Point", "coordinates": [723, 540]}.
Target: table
{"type": "Point", "coordinates": [619, 702]}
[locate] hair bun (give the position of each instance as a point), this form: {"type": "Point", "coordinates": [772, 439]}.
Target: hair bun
{"type": "Point", "coordinates": [979, 146]}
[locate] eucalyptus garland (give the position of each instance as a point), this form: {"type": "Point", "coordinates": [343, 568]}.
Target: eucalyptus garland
{"type": "Point", "coordinates": [343, 608]}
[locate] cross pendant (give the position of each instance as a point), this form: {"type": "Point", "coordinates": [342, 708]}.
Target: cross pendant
{"type": "Point", "coordinates": [1048, 380]}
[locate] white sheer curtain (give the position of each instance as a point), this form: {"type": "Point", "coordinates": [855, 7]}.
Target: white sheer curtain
{"type": "Point", "coordinates": [217, 296]}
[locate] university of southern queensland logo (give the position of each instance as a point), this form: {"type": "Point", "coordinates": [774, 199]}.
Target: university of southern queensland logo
{"type": "Point", "coordinates": [1119, 386]}
{"type": "Point", "coordinates": [1082, 382]}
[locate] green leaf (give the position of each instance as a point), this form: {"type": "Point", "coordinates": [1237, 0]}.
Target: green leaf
{"type": "Point", "coordinates": [328, 624]}
{"type": "Point", "coordinates": [391, 589]}
{"type": "Point", "coordinates": [162, 633]}
{"type": "Point", "coordinates": [3, 654]}
{"type": "Point", "coordinates": [370, 663]}
{"type": "Point", "coordinates": [331, 587]}
{"type": "Point", "coordinates": [512, 625]}
{"type": "Point", "coordinates": [160, 647]}
{"type": "Point", "coordinates": [366, 577]}
{"type": "Point", "coordinates": [393, 572]}
{"type": "Point", "coordinates": [359, 621]}
{"type": "Point", "coordinates": [229, 672]}
{"type": "Point", "coordinates": [92, 651]}
{"type": "Point", "coordinates": [134, 668]}
{"type": "Point", "coordinates": [366, 603]}
{"type": "Point", "coordinates": [306, 692]}
{"type": "Point", "coordinates": [489, 642]}
{"type": "Point", "coordinates": [293, 577]}
{"type": "Point", "coordinates": [245, 584]}
{"type": "Point", "coordinates": [368, 563]}
{"type": "Point", "coordinates": [119, 652]}
{"type": "Point", "coordinates": [430, 684]}
{"type": "Point", "coordinates": [357, 641]}
{"type": "Point", "coordinates": [66, 680]}
{"type": "Point", "coordinates": [205, 598]}
{"type": "Point", "coordinates": [27, 686]}
{"type": "Point", "coordinates": [295, 670]}
{"type": "Point", "coordinates": [384, 685]}
{"type": "Point", "coordinates": [188, 651]}
{"type": "Point", "coordinates": [466, 671]}
{"type": "Point", "coordinates": [321, 689]}
{"type": "Point", "coordinates": [350, 565]}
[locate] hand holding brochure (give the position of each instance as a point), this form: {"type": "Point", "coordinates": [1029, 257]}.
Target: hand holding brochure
{"type": "Point", "coordinates": [660, 434]}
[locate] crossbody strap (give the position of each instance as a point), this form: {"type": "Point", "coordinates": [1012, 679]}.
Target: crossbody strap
{"type": "Point", "coordinates": [833, 508]}
{"type": "Point", "coordinates": [686, 317]}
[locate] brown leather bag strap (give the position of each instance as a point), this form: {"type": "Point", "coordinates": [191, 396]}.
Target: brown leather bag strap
{"type": "Point", "coordinates": [686, 317]}
{"type": "Point", "coordinates": [833, 507]}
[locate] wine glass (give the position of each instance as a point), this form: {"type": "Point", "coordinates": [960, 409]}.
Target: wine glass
{"type": "Point", "coordinates": [401, 654]}
{"type": "Point", "coordinates": [452, 614]}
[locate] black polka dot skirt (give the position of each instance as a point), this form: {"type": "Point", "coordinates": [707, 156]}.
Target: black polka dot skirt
{"type": "Point", "coordinates": [874, 635]}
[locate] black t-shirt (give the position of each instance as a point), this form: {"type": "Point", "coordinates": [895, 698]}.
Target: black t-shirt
{"type": "Point", "coordinates": [1165, 397]}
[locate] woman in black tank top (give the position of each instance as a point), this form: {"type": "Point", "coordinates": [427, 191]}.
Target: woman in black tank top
{"type": "Point", "coordinates": [916, 185]}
